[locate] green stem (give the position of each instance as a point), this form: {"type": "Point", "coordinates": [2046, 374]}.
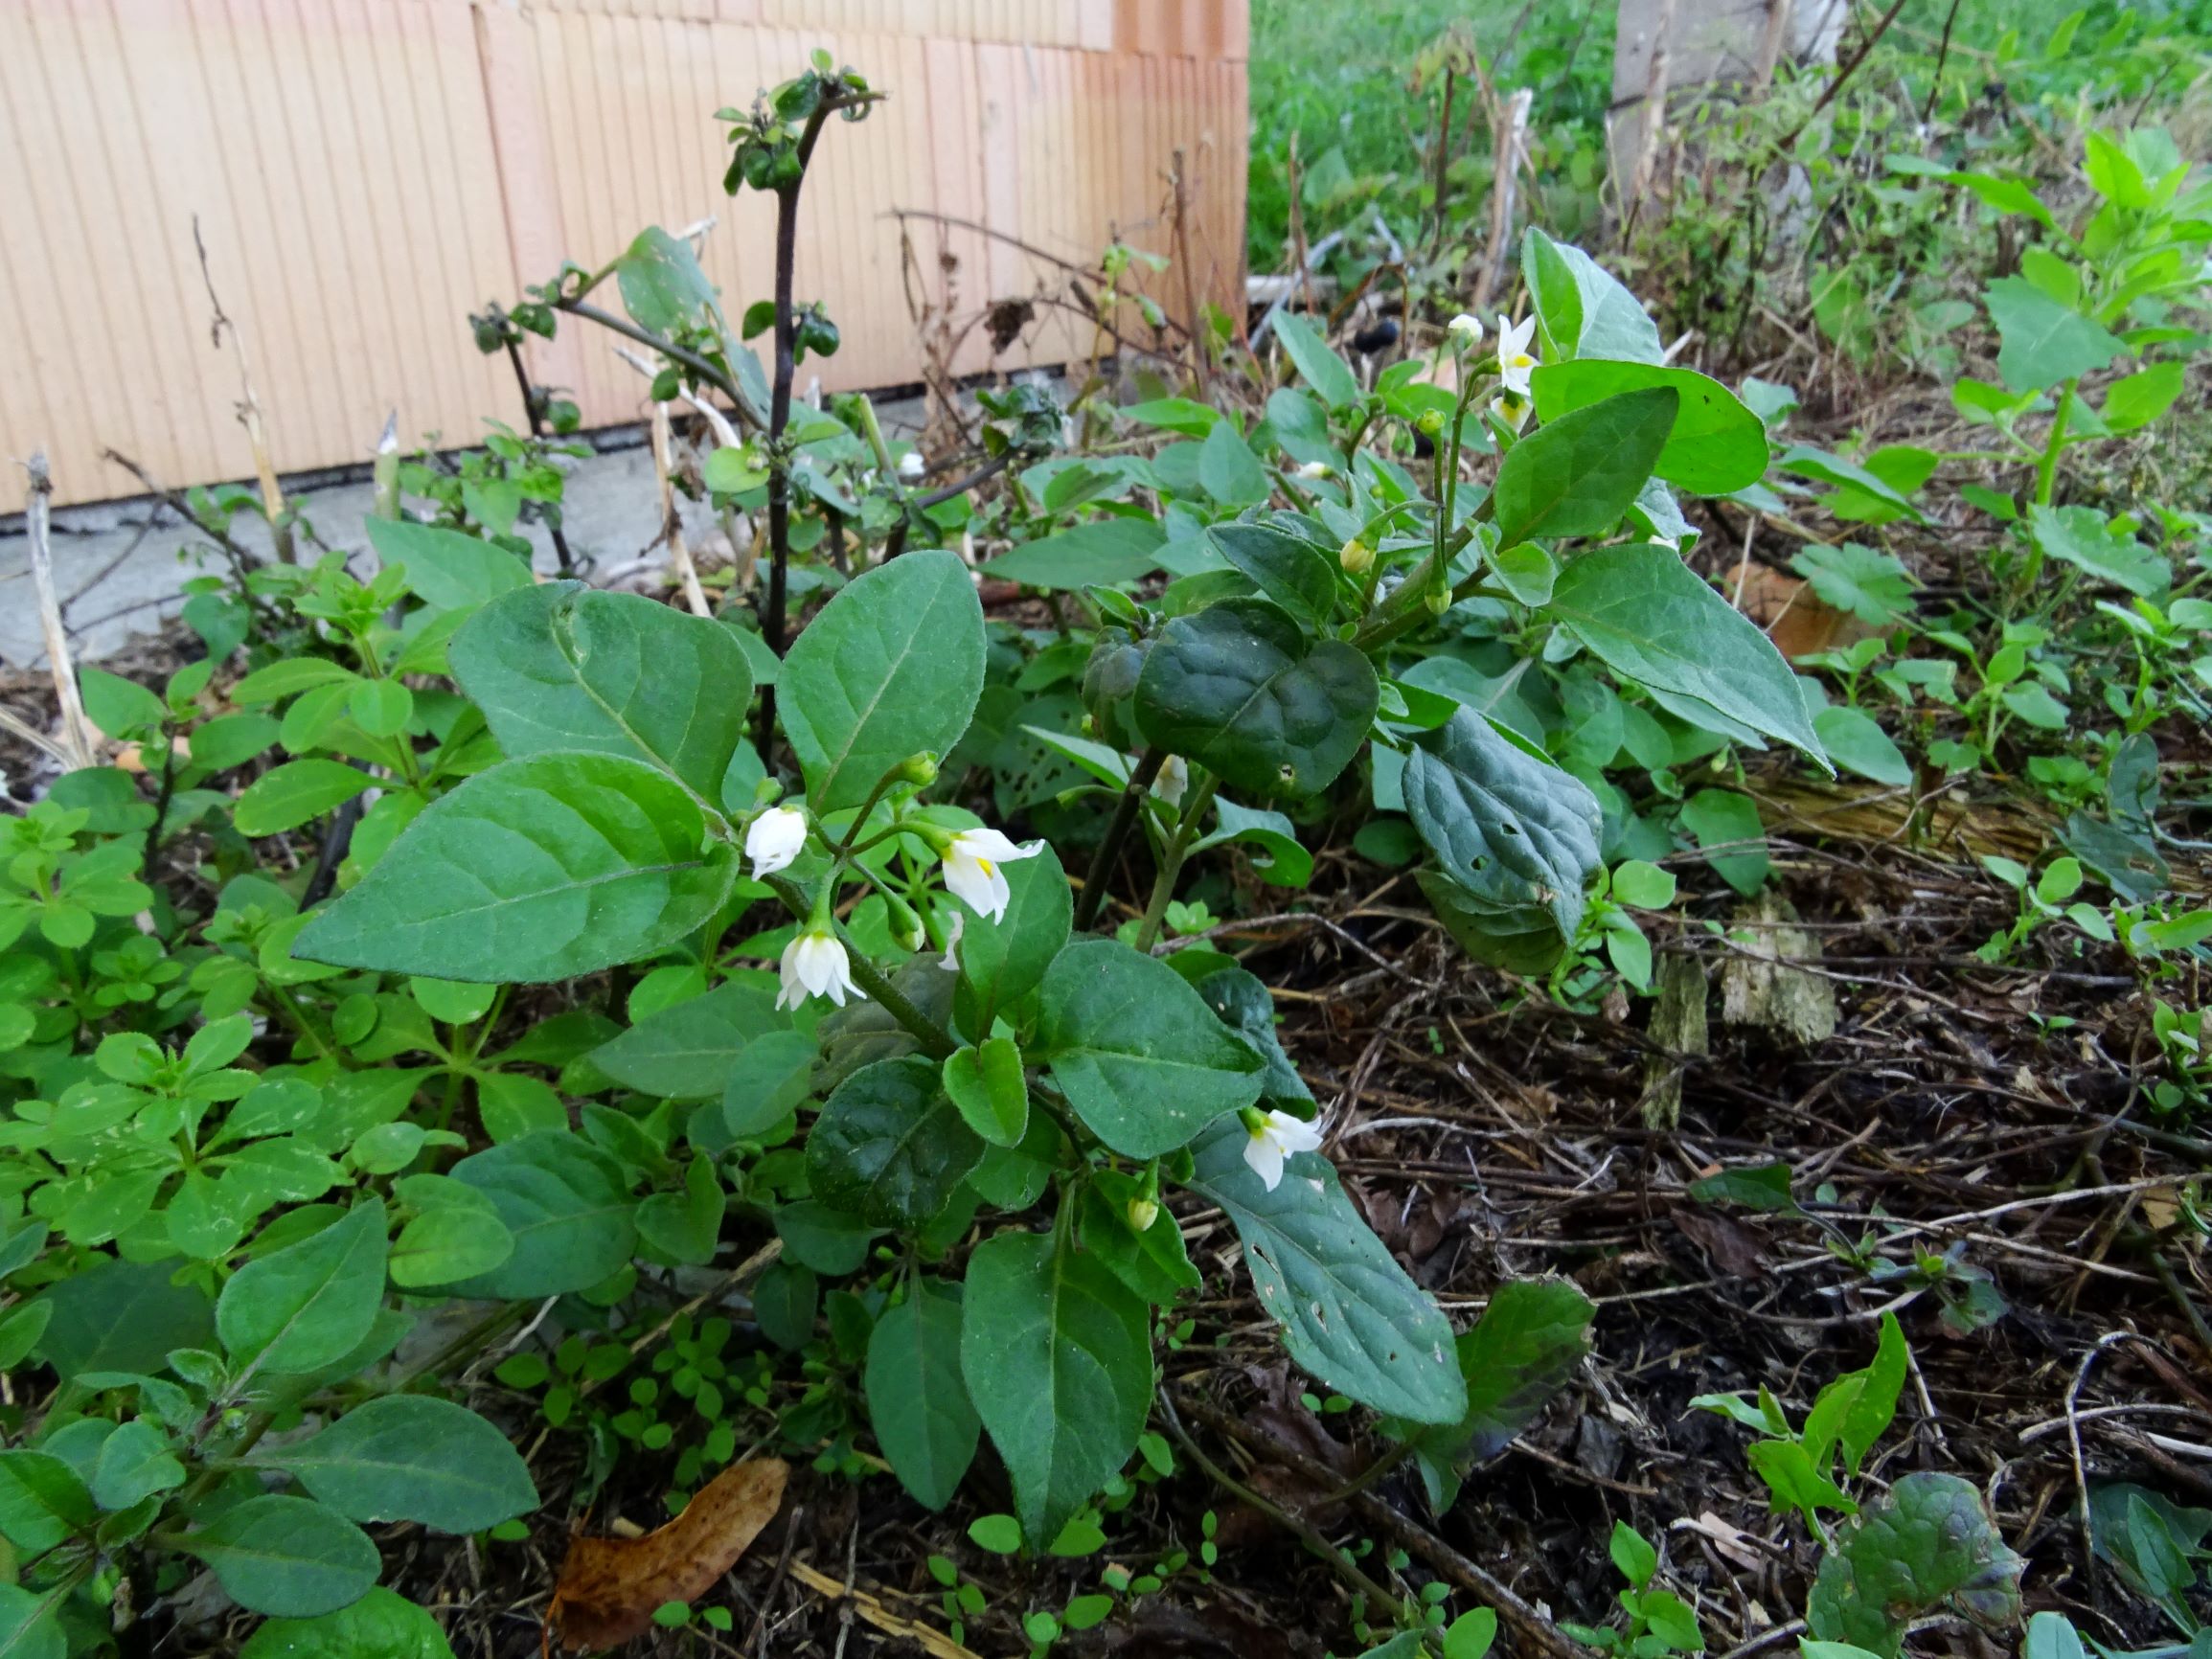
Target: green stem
{"type": "Point", "coordinates": [288, 1005]}
{"type": "Point", "coordinates": [936, 1042]}
{"type": "Point", "coordinates": [1092, 898]}
{"type": "Point", "coordinates": [2048, 468]}
{"type": "Point", "coordinates": [1172, 862]}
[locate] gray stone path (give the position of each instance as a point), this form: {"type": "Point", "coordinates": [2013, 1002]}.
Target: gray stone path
{"type": "Point", "coordinates": [119, 564]}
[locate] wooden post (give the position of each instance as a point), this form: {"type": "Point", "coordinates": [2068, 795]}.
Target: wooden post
{"type": "Point", "coordinates": [1505, 176]}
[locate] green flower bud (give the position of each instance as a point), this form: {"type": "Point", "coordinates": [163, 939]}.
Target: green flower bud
{"type": "Point", "coordinates": [918, 769]}
{"type": "Point", "coordinates": [1142, 1213]}
{"type": "Point", "coordinates": [1357, 556]}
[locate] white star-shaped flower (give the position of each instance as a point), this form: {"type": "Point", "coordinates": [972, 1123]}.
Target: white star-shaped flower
{"type": "Point", "coordinates": [1175, 777]}
{"type": "Point", "coordinates": [1273, 1138]}
{"type": "Point", "coordinates": [1515, 359]}
{"type": "Point", "coordinates": [972, 873]}
{"type": "Point", "coordinates": [775, 840]}
{"type": "Point", "coordinates": [816, 965]}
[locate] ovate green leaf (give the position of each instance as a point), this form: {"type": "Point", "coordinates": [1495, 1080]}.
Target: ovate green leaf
{"type": "Point", "coordinates": [917, 1398]}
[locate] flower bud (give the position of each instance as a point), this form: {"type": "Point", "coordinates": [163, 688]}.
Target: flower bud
{"type": "Point", "coordinates": [906, 929]}
{"type": "Point", "coordinates": [1438, 600]}
{"type": "Point", "coordinates": [1466, 329]}
{"type": "Point", "coordinates": [1142, 1213]}
{"type": "Point", "coordinates": [918, 769]}
{"type": "Point", "coordinates": [1315, 470]}
{"type": "Point", "coordinates": [1430, 423]}
{"type": "Point", "coordinates": [1357, 556]}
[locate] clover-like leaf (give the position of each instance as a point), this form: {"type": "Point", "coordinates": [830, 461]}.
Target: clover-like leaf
{"type": "Point", "coordinates": [1927, 1542]}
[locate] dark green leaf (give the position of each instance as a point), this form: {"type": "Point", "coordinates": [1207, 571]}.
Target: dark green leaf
{"type": "Point", "coordinates": [662, 285]}
{"type": "Point", "coordinates": [1139, 1055]}
{"type": "Point", "coordinates": [1002, 961]}
{"type": "Point", "coordinates": [1655, 624]}
{"type": "Point", "coordinates": [685, 1053]}
{"type": "Point", "coordinates": [1238, 689]}
{"type": "Point", "coordinates": [1517, 833]}
{"type": "Point", "coordinates": [446, 570]}
{"type": "Point", "coordinates": [1243, 1004]}
{"type": "Point", "coordinates": [1057, 1353]}
{"type": "Point", "coordinates": [1287, 568]}
{"type": "Point", "coordinates": [889, 1148]}
{"type": "Point", "coordinates": [1109, 554]}
{"type": "Point", "coordinates": [286, 1556]}
{"type": "Point", "coordinates": [538, 870]}
{"type": "Point", "coordinates": [413, 1458]}
{"type": "Point", "coordinates": [122, 1316]}
{"type": "Point", "coordinates": [566, 1204]}
{"type": "Point", "coordinates": [298, 1308]}
{"type": "Point", "coordinates": [1927, 1542]}
{"type": "Point", "coordinates": [1716, 444]}
{"type": "Point", "coordinates": [1578, 474]}
{"type": "Point", "coordinates": [916, 1400]}
{"type": "Point", "coordinates": [563, 667]}
{"type": "Point", "coordinates": [891, 668]}
{"type": "Point", "coordinates": [1350, 1315]}
{"type": "Point", "coordinates": [1520, 1352]}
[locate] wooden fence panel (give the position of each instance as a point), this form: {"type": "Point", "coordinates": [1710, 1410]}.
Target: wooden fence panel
{"type": "Point", "coordinates": [367, 173]}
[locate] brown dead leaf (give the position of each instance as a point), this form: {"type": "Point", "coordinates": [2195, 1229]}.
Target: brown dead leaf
{"type": "Point", "coordinates": [610, 1586]}
{"type": "Point", "coordinates": [1735, 1250]}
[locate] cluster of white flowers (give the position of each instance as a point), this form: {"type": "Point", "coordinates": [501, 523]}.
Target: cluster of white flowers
{"type": "Point", "coordinates": [816, 962]}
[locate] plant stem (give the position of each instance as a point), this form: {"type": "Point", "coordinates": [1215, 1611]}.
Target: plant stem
{"type": "Point", "coordinates": [1172, 862]}
{"type": "Point", "coordinates": [936, 1042]}
{"type": "Point", "coordinates": [2048, 468]}
{"type": "Point", "coordinates": [1101, 863]}
{"type": "Point", "coordinates": [668, 348]}
{"type": "Point", "coordinates": [534, 409]}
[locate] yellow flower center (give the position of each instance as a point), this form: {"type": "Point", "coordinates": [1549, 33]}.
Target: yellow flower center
{"type": "Point", "coordinates": [984, 865]}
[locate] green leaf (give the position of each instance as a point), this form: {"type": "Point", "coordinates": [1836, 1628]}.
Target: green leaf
{"type": "Point", "coordinates": [1632, 1554]}
{"type": "Point", "coordinates": [1764, 1188]}
{"type": "Point", "coordinates": [686, 1225]}
{"type": "Point", "coordinates": [1238, 689]}
{"type": "Point", "coordinates": [1229, 471]}
{"type": "Point", "coordinates": [2082, 537]}
{"type": "Point", "coordinates": [1153, 1263]}
{"type": "Point", "coordinates": [538, 870]}
{"type": "Point", "coordinates": [1875, 1406]}
{"type": "Point", "coordinates": [1242, 1002]}
{"type": "Point", "coordinates": [134, 1463]}
{"type": "Point", "coordinates": [1872, 586]}
{"type": "Point", "coordinates": [891, 668]}
{"type": "Point", "coordinates": [446, 570]}
{"type": "Point", "coordinates": [2042, 342]}
{"type": "Point", "coordinates": [1277, 856]}
{"type": "Point", "coordinates": [286, 1556]}
{"type": "Point", "coordinates": [409, 1457]}
{"type": "Point", "coordinates": [1058, 1357]}
{"type": "Point", "coordinates": [1582, 310]}
{"type": "Point", "coordinates": [663, 287]}
{"type": "Point", "coordinates": [117, 706]}
{"type": "Point", "coordinates": [1139, 1055]}
{"type": "Point", "coordinates": [2134, 400]}
{"type": "Point", "coordinates": [1527, 1344]}
{"type": "Point", "coordinates": [122, 1316]}
{"type": "Point", "coordinates": [29, 1629]}
{"type": "Point", "coordinates": [563, 667]}
{"type": "Point", "coordinates": [1724, 818]}
{"type": "Point", "coordinates": [889, 1147]}
{"type": "Point", "coordinates": [1001, 962]}
{"type": "Point", "coordinates": [381, 1625]}
{"type": "Point", "coordinates": [295, 793]}
{"type": "Point", "coordinates": [43, 1501]}
{"type": "Point", "coordinates": [916, 1400]}
{"type": "Point", "coordinates": [567, 1206]}
{"type": "Point", "coordinates": [298, 1308]}
{"type": "Point", "coordinates": [1472, 1634]}
{"type": "Point", "coordinates": [1716, 444]}
{"type": "Point", "coordinates": [686, 1052]}
{"type": "Point", "coordinates": [1287, 568]}
{"type": "Point", "coordinates": [1350, 1315]}
{"type": "Point", "coordinates": [1642, 612]}
{"type": "Point", "coordinates": [1808, 461]}
{"type": "Point", "coordinates": [1578, 474]}
{"type": "Point", "coordinates": [772, 1077]}
{"type": "Point", "coordinates": [787, 1299]}
{"type": "Point", "coordinates": [1796, 1478]}
{"type": "Point", "coordinates": [1328, 374]}
{"type": "Point", "coordinates": [1927, 1542]}
{"type": "Point", "coordinates": [1111, 553]}
{"type": "Point", "coordinates": [985, 1083]}
{"type": "Point", "coordinates": [444, 1245]}
{"type": "Point", "coordinates": [1856, 741]}
{"type": "Point", "coordinates": [1517, 833]}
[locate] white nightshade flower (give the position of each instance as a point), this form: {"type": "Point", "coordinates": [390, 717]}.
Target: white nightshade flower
{"type": "Point", "coordinates": [911, 465]}
{"type": "Point", "coordinates": [1515, 359]}
{"type": "Point", "coordinates": [949, 962]}
{"type": "Point", "coordinates": [775, 840]}
{"type": "Point", "coordinates": [1276, 1137]}
{"type": "Point", "coordinates": [1175, 777]}
{"type": "Point", "coordinates": [1512, 411]}
{"type": "Point", "coordinates": [816, 965]}
{"type": "Point", "coordinates": [972, 873]}
{"type": "Point", "coordinates": [1466, 329]}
